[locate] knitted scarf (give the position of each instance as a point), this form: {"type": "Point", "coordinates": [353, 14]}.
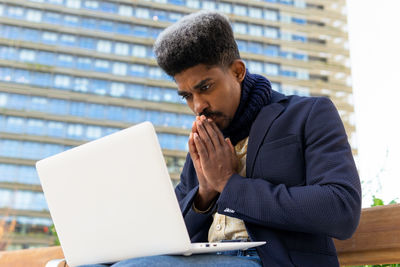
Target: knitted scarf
{"type": "Point", "coordinates": [256, 93]}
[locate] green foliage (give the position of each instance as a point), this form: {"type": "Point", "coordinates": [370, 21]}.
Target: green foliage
{"type": "Point", "coordinates": [379, 202]}
{"type": "Point", "coordinates": [54, 233]}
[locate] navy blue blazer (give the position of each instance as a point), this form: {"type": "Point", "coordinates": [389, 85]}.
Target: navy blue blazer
{"type": "Point", "coordinates": [302, 186]}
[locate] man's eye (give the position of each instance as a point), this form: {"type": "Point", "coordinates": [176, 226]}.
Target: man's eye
{"type": "Point", "coordinates": [185, 97]}
{"type": "Point", "coordinates": [205, 87]}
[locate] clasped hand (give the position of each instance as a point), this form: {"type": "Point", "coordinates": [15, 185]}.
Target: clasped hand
{"type": "Point", "coordinates": [214, 157]}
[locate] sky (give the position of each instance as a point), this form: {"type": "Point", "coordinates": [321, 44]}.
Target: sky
{"type": "Point", "coordinates": [374, 39]}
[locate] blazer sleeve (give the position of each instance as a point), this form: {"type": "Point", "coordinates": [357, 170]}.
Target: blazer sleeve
{"type": "Point", "coordinates": [197, 224]}
{"type": "Point", "coordinates": [330, 201]}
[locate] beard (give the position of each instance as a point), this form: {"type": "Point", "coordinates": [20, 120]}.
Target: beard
{"type": "Point", "coordinates": [220, 119]}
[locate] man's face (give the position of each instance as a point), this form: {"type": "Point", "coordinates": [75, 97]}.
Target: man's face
{"type": "Point", "coordinates": [212, 91]}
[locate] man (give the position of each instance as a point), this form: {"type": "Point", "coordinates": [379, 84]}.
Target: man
{"type": "Point", "coordinates": [300, 185]}
{"type": "Point", "coordinates": [261, 166]}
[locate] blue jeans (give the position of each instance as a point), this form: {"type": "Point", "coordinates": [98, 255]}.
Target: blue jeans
{"type": "Point", "coordinates": [247, 258]}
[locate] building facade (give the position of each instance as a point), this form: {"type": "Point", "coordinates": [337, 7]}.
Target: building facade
{"type": "Point", "coordinates": [75, 70]}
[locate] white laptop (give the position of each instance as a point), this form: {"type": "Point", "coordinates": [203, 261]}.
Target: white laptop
{"type": "Point", "coordinates": [112, 199]}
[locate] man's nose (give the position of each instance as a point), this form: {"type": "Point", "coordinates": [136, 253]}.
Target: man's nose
{"type": "Point", "coordinates": [199, 104]}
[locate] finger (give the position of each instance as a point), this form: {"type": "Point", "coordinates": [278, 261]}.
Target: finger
{"type": "Point", "coordinates": [192, 148]}
{"type": "Point", "coordinates": [194, 127]}
{"type": "Point", "coordinates": [212, 134]}
{"type": "Point", "coordinates": [228, 141]}
{"type": "Point", "coordinates": [217, 131]}
{"type": "Point", "coordinates": [200, 146]}
{"type": "Point", "coordinates": [203, 134]}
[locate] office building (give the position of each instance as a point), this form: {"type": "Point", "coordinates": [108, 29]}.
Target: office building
{"type": "Point", "coordinates": [74, 70]}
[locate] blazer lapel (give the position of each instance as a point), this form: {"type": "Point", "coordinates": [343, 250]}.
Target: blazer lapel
{"type": "Point", "coordinates": [258, 130]}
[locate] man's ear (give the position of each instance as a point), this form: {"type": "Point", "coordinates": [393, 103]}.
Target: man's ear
{"type": "Point", "coordinates": [238, 69]}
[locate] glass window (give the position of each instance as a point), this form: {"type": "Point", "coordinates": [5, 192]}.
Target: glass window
{"type": "Point", "coordinates": [46, 58]}
{"type": "Point", "coordinates": [42, 79]}
{"type": "Point", "coordinates": [142, 13]}
{"type": "Point", "coordinates": [124, 10]}
{"type": "Point", "coordinates": [31, 35]}
{"type": "Point", "coordinates": [57, 2]}
{"type": "Point", "coordinates": [115, 113]}
{"type": "Point", "coordinates": [121, 49]}
{"type": "Point", "coordinates": [286, 18]}
{"type": "Point", "coordinates": [104, 46]}
{"type": "Point", "coordinates": [271, 32]}
{"type": "Point", "coordinates": [240, 28]}
{"type": "Point", "coordinates": [96, 111]}
{"type": "Point", "coordinates": [91, 4]}
{"type": "Point", "coordinates": [276, 86]}
{"type": "Point", "coordinates": [89, 23]}
{"type": "Point", "coordinates": [68, 39]}
{"type": "Point", "coordinates": [173, 17]}
{"type": "Point", "coordinates": [65, 60]}
{"type": "Point", "coordinates": [52, 17]}
{"type": "Point", "coordinates": [56, 129]}
{"type": "Point", "coordinates": [119, 68]}
{"type": "Point", "coordinates": [193, 3]}
{"type": "Point", "coordinates": [240, 10]}
{"type": "Point", "coordinates": [153, 94]}
{"type": "Point", "coordinates": [84, 63]}
{"type": "Point", "coordinates": [16, 12]}
{"type": "Point", "coordinates": [70, 20]}
{"type": "Point", "coordinates": [102, 65]}
{"type": "Point", "coordinates": [271, 69]}
{"type": "Point", "coordinates": [49, 37]}
{"type": "Point", "coordinates": [272, 50]}
{"type": "Point", "coordinates": [209, 5]}
{"type": "Point", "coordinates": [117, 89]}
{"type": "Point", "coordinates": [36, 127]}
{"type": "Point", "coordinates": [81, 85]}
{"type": "Point", "coordinates": [255, 30]}
{"type": "Point", "coordinates": [99, 87]}
{"type": "Point", "coordinates": [58, 106]}
{"type": "Point", "coordinates": [87, 43]}
{"type": "Point", "coordinates": [22, 76]}
{"type": "Point", "coordinates": [255, 66]}
{"type": "Point", "coordinates": [77, 109]}
{"type": "Point", "coordinates": [242, 45]}
{"type": "Point", "coordinates": [93, 132]}
{"type": "Point", "coordinates": [108, 7]}
{"type": "Point", "coordinates": [255, 12]}
{"type": "Point", "coordinates": [270, 14]}
{"type": "Point", "coordinates": [73, 3]}
{"type": "Point", "coordinates": [287, 36]}
{"type": "Point", "coordinates": [1, 9]}
{"type": "Point", "coordinates": [27, 55]}
{"type": "Point", "coordinates": [138, 50]}
{"type": "Point", "coordinates": [136, 91]}
{"type": "Point", "coordinates": [123, 28]}
{"type": "Point", "coordinates": [255, 47]}
{"type": "Point", "coordinates": [140, 31]}
{"type": "Point", "coordinates": [105, 25]}
{"type": "Point", "coordinates": [62, 81]}
{"type": "Point", "coordinates": [225, 7]}
{"type": "Point", "coordinates": [39, 103]}
{"type": "Point", "coordinates": [75, 131]}
{"type": "Point", "coordinates": [155, 72]}
{"type": "Point", "coordinates": [15, 125]}
{"type": "Point", "coordinates": [138, 70]}
{"type": "Point", "coordinates": [34, 15]}
{"type": "Point", "coordinates": [135, 115]}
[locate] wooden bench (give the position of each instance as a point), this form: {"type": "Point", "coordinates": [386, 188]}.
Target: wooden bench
{"type": "Point", "coordinates": [376, 241]}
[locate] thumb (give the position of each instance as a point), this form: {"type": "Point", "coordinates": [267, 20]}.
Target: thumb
{"type": "Point", "coordinates": [228, 141]}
